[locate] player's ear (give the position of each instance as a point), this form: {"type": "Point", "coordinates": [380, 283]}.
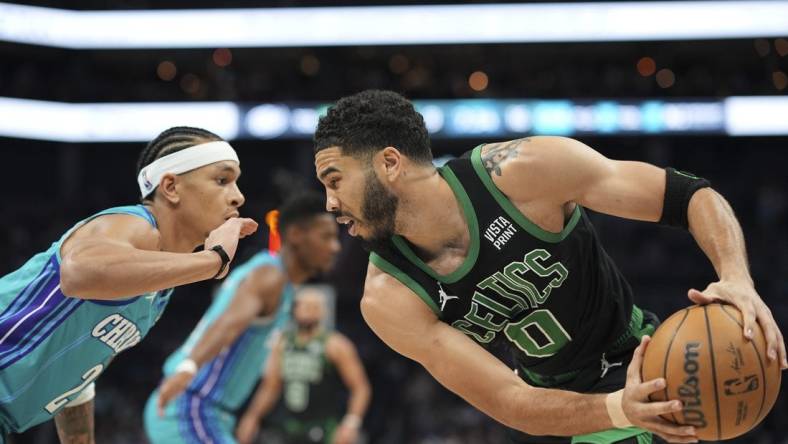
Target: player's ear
{"type": "Point", "coordinates": [168, 188]}
{"type": "Point", "coordinates": [391, 159]}
{"type": "Point", "coordinates": [294, 234]}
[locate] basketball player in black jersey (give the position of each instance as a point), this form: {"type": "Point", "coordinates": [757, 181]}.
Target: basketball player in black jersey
{"type": "Point", "coordinates": [310, 369]}
{"type": "Point", "coordinates": [493, 252]}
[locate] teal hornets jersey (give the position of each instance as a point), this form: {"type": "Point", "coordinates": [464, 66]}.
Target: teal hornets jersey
{"type": "Point", "coordinates": [53, 346]}
{"type": "Point", "coordinates": [230, 377]}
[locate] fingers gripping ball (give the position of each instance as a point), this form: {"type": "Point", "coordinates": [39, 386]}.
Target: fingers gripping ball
{"type": "Point", "coordinates": [726, 383]}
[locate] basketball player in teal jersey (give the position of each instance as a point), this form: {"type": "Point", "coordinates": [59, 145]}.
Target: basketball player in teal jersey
{"type": "Point", "coordinates": [312, 367]}
{"type": "Point", "coordinates": [100, 288]}
{"type": "Point", "coordinates": [494, 252]}
{"type": "Point", "coordinates": [216, 369]}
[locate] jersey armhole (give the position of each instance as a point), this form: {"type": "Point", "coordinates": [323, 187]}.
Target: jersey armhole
{"type": "Point", "coordinates": [509, 208]}
{"type": "Point", "coordinates": [390, 269]}
{"type": "Point", "coordinates": [147, 217]}
{"type": "Point", "coordinates": [129, 211]}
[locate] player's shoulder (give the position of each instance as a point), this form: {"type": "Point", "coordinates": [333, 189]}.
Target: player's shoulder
{"type": "Point", "coordinates": [528, 150]}
{"type": "Point", "coordinates": [380, 286]}
{"type": "Point", "coordinates": [388, 300]}
{"type": "Point", "coordinates": [132, 228]}
{"type": "Point", "coordinates": [337, 343]}
{"type": "Point", "coordinates": [530, 169]}
{"type": "Point", "coordinates": [266, 277]}
{"type": "Point", "coordinates": [377, 278]}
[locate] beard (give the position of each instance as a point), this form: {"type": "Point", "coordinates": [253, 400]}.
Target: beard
{"type": "Point", "coordinates": [379, 211]}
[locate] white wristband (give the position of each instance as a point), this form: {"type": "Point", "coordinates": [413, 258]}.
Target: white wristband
{"type": "Point", "coordinates": [615, 410]}
{"type": "Point", "coordinates": [187, 365]}
{"type": "Point", "coordinates": [352, 421]}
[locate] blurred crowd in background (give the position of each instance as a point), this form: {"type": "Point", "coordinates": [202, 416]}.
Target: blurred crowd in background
{"type": "Point", "coordinates": [48, 186]}
{"type": "Point", "coordinates": [548, 70]}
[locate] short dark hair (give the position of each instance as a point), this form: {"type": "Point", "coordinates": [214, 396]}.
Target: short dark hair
{"type": "Point", "coordinates": [300, 208]}
{"type": "Point", "coordinates": [371, 120]}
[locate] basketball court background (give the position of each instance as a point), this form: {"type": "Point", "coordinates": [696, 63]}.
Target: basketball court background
{"type": "Point", "coordinates": [696, 85]}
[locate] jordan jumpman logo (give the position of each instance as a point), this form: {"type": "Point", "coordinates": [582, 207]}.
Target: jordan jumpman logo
{"type": "Point", "coordinates": [444, 297]}
{"type": "Point", "coordinates": [607, 366]}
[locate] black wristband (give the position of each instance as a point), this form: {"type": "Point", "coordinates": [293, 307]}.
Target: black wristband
{"type": "Point", "coordinates": [225, 259]}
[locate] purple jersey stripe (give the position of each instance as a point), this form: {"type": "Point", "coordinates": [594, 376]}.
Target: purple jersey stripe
{"type": "Point", "coordinates": [15, 327]}
{"type": "Point", "coordinates": [70, 308]}
{"type": "Point", "coordinates": [218, 389]}
{"type": "Point", "coordinates": [31, 333]}
{"type": "Point", "coordinates": [208, 390]}
{"type": "Point", "coordinates": [30, 291]}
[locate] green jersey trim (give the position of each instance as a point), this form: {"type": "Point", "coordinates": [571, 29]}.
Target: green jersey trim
{"type": "Point", "coordinates": [406, 280]}
{"type": "Point", "coordinates": [473, 229]}
{"type": "Point", "coordinates": [636, 329]}
{"type": "Point", "coordinates": [513, 212]}
{"type": "Point", "coordinates": [614, 435]}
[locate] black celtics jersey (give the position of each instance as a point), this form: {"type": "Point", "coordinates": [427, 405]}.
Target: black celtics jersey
{"type": "Point", "coordinates": [312, 389]}
{"type": "Point", "coordinates": [555, 301]}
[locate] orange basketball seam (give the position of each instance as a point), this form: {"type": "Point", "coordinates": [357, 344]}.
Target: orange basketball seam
{"type": "Point", "coordinates": [713, 373]}
{"type": "Point", "coordinates": [760, 363]}
{"type": "Point", "coordinates": [667, 356]}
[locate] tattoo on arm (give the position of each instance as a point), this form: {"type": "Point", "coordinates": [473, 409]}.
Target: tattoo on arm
{"type": "Point", "coordinates": [75, 424]}
{"type": "Point", "coordinates": [496, 154]}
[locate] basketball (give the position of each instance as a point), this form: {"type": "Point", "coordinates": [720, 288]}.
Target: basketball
{"type": "Point", "coordinates": [726, 383]}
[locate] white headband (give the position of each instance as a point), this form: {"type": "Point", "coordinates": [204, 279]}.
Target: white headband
{"type": "Point", "coordinates": [182, 161]}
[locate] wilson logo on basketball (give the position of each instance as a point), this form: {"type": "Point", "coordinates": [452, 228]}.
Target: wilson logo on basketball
{"type": "Point", "coordinates": [689, 390]}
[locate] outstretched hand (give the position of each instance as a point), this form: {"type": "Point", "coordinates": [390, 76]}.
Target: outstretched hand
{"type": "Point", "coordinates": [228, 234]}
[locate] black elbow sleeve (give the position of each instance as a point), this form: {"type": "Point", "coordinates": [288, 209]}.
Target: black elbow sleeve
{"type": "Point", "coordinates": [679, 188]}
